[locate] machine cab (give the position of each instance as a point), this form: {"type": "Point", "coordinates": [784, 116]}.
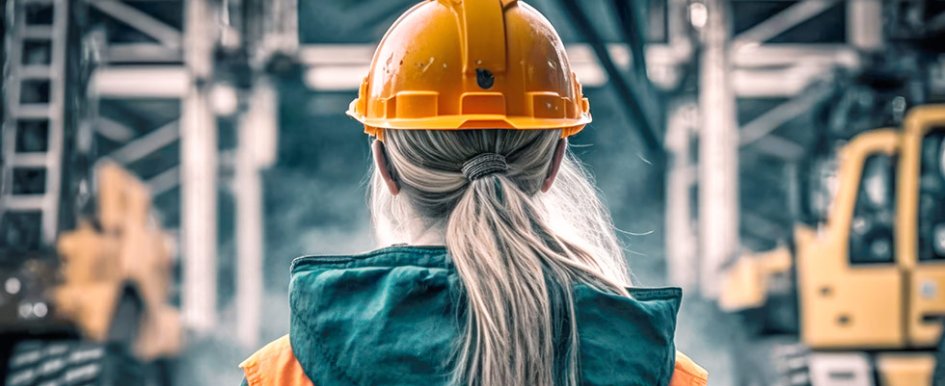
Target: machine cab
{"type": "Point", "coordinates": [921, 219]}
{"type": "Point", "coordinates": [875, 276]}
{"type": "Point", "coordinates": [850, 285]}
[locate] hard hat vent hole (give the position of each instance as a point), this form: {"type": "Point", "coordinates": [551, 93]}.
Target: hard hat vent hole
{"type": "Point", "coordinates": [485, 78]}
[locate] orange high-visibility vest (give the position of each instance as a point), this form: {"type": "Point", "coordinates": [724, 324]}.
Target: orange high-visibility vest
{"type": "Point", "coordinates": [275, 365]}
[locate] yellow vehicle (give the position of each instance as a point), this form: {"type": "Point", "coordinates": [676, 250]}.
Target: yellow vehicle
{"type": "Point", "coordinates": [124, 255]}
{"type": "Point", "coordinates": [104, 300]}
{"type": "Point", "coordinates": [870, 282]}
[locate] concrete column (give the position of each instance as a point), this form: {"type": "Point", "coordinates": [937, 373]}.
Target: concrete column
{"type": "Point", "coordinates": [718, 152]}
{"type": "Point", "coordinates": [256, 150]}
{"type": "Point", "coordinates": [681, 242]}
{"type": "Point", "coordinates": [198, 177]}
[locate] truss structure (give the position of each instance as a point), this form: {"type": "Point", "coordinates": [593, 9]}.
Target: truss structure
{"type": "Point", "coordinates": [762, 65]}
{"type": "Point", "coordinates": [33, 128]}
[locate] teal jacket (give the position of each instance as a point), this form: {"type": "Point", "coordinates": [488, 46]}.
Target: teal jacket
{"type": "Point", "coordinates": [389, 317]}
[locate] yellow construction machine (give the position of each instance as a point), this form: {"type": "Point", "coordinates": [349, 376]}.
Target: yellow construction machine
{"type": "Point", "coordinates": [96, 310]}
{"type": "Point", "coordinates": [123, 255]}
{"type": "Point", "coordinates": [868, 285]}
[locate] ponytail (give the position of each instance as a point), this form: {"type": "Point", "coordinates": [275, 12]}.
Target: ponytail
{"type": "Point", "coordinates": [517, 252]}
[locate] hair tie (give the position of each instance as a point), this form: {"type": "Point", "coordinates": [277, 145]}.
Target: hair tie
{"type": "Point", "coordinates": [483, 165]}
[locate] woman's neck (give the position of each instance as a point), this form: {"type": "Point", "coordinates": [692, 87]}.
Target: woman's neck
{"type": "Point", "coordinates": [432, 236]}
{"type": "Point", "coordinates": [416, 232]}
{"type": "Point", "coordinates": [421, 232]}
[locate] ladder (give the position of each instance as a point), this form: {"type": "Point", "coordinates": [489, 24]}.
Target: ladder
{"type": "Point", "coordinates": [33, 124]}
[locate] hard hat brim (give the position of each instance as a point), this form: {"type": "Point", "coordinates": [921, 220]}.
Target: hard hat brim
{"type": "Point", "coordinates": [374, 126]}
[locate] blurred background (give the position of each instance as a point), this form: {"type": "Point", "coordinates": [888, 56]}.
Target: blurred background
{"type": "Point", "coordinates": [163, 161]}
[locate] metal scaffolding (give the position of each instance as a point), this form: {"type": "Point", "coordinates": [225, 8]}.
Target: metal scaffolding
{"type": "Point", "coordinates": [739, 69]}
{"type": "Point", "coordinates": [173, 66]}
{"type": "Point", "coordinates": [177, 64]}
{"type": "Point", "coordinates": [33, 128]}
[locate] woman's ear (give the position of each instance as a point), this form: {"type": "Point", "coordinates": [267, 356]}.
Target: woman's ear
{"type": "Point", "coordinates": [555, 165]}
{"type": "Point", "coordinates": [383, 167]}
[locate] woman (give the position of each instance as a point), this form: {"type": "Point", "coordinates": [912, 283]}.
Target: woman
{"type": "Point", "coordinates": [471, 103]}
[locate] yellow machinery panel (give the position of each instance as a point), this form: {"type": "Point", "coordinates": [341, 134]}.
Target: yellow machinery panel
{"type": "Point", "coordinates": [905, 369]}
{"type": "Point", "coordinates": [745, 283]}
{"type": "Point", "coordinates": [846, 305]}
{"type": "Point", "coordinates": [927, 304]}
{"type": "Point", "coordinates": [926, 299]}
{"type": "Point", "coordinates": [835, 315]}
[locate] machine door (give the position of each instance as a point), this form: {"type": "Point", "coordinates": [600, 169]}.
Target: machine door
{"type": "Point", "coordinates": [927, 281]}
{"type": "Point", "coordinates": [850, 280]}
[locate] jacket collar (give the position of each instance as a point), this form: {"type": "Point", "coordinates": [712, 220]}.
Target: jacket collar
{"type": "Point", "coordinates": [391, 317]}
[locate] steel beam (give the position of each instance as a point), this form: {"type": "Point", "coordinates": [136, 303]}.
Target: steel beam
{"type": "Point", "coordinates": [781, 148]}
{"type": "Point", "coordinates": [141, 82]}
{"type": "Point", "coordinates": [282, 31]}
{"type": "Point", "coordinates": [114, 131]}
{"type": "Point", "coordinates": [865, 24]}
{"type": "Point", "coordinates": [258, 121]}
{"type": "Point", "coordinates": [23, 202]}
{"type": "Point", "coordinates": [781, 22]}
{"type": "Point", "coordinates": [147, 24]}
{"type": "Point", "coordinates": [682, 258]}
{"type": "Point", "coordinates": [341, 67]}
{"type": "Point", "coordinates": [198, 179]}
{"type": "Point", "coordinates": [793, 190]}
{"type": "Point", "coordinates": [360, 54]}
{"type": "Point", "coordinates": [772, 119]}
{"type": "Point", "coordinates": [336, 77]}
{"type": "Point", "coordinates": [147, 144]}
{"type": "Point", "coordinates": [57, 122]}
{"type": "Point", "coordinates": [633, 27]}
{"type": "Point", "coordinates": [789, 54]}
{"type": "Point", "coordinates": [141, 52]}
{"type": "Point", "coordinates": [628, 93]}
{"type": "Point", "coordinates": [718, 153]}
{"type": "Point", "coordinates": [164, 182]}
{"type": "Point", "coordinates": [777, 82]}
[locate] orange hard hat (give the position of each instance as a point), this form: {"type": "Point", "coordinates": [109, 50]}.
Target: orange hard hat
{"type": "Point", "coordinates": [471, 64]}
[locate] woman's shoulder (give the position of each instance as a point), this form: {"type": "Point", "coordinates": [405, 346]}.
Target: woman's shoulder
{"type": "Point", "coordinates": [274, 364]}
{"type": "Point", "coordinates": [687, 372]}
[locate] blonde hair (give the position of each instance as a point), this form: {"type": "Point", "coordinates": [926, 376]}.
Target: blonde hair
{"type": "Point", "coordinates": [517, 251]}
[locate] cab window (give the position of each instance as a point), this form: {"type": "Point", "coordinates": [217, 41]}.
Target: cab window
{"type": "Point", "coordinates": [932, 197]}
{"type": "Point", "coordinates": [871, 233]}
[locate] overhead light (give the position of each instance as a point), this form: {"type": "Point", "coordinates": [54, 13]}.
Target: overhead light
{"type": "Point", "coordinates": [12, 286]}
{"type": "Point", "coordinates": [698, 14]}
{"type": "Point", "coordinates": [224, 99]}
